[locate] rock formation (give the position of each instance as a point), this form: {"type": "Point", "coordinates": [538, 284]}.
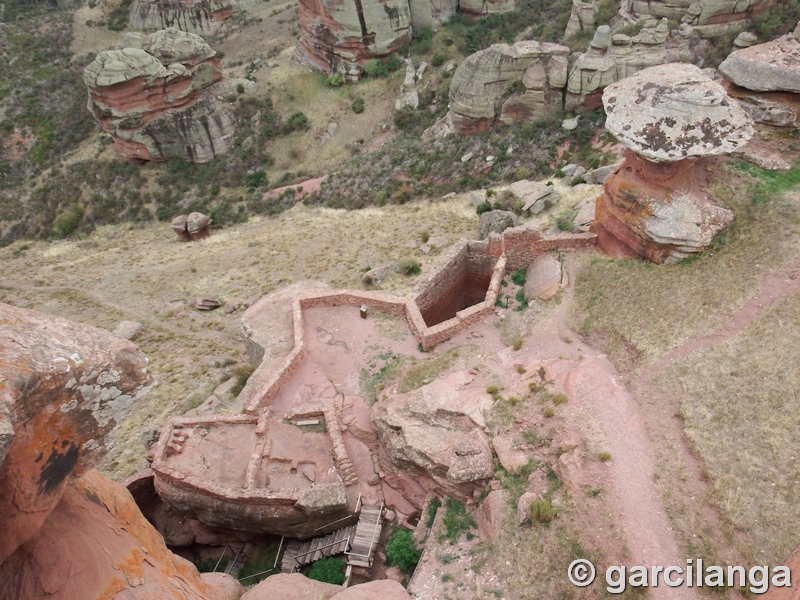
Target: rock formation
{"type": "Point", "coordinates": [496, 221]}
{"type": "Point", "coordinates": [68, 532]}
{"type": "Point", "coordinates": [611, 58]}
{"type": "Point", "coordinates": [582, 18]}
{"type": "Point", "coordinates": [431, 13]}
{"type": "Point", "coordinates": [508, 83]}
{"type": "Point", "coordinates": [198, 16]}
{"type": "Point", "coordinates": [436, 433]}
{"type": "Point", "coordinates": [670, 118]}
{"type": "Point", "coordinates": [766, 80]}
{"type": "Point", "coordinates": [152, 96]}
{"type": "Point", "coordinates": [299, 587]}
{"type": "Point", "coordinates": [194, 226]}
{"type": "Point", "coordinates": [708, 14]}
{"type": "Point", "coordinates": [338, 37]}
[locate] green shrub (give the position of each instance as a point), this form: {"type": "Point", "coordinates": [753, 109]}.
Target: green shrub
{"type": "Point", "coordinates": [242, 374]}
{"type": "Point", "coordinates": [518, 277]}
{"type": "Point", "coordinates": [240, 89]}
{"type": "Point", "coordinates": [437, 60]}
{"type": "Point", "coordinates": [559, 398]}
{"type": "Point", "coordinates": [514, 87]}
{"type": "Point", "coordinates": [382, 68]}
{"type": "Point", "coordinates": [328, 570]}
{"type": "Point", "coordinates": [400, 551]}
{"type": "Point", "coordinates": [565, 221]}
{"type": "Point", "coordinates": [520, 297]}
{"type": "Point", "coordinates": [483, 207]}
{"type": "Point", "coordinates": [66, 222]}
{"type": "Point", "coordinates": [410, 266]}
{"type": "Point", "coordinates": [357, 106]}
{"type": "Point", "coordinates": [335, 81]}
{"type": "Point", "coordinates": [517, 343]}
{"type": "Point", "coordinates": [456, 520]}
{"type": "Point", "coordinates": [433, 507]}
{"type": "Point", "coordinates": [296, 122]}
{"type": "Point", "coordinates": [542, 511]}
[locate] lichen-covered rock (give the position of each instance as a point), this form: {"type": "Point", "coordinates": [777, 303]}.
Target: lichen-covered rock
{"type": "Point", "coordinates": [611, 58]}
{"type": "Point", "coordinates": [153, 98]}
{"type": "Point", "coordinates": [770, 67]}
{"type": "Point", "coordinates": [339, 36]}
{"type": "Point", "coordinates": [198, 16]}
{"type": "Point", "coordinates": [64, 387]}
{"type": "Point", "coordinates": [436, 433]}
{"type": "Point", "coordinates": [673, 112]}
{"type": "Point", "coordinates": [508, 83]}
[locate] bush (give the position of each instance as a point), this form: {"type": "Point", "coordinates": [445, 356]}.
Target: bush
{"type": "Point", "coordinates": [483, 207]}
{"type": "Point", "coordinates": [66, 222]}
{"type": "Point", "coordinates": [296, 122]}
{"type": "Point", "coordinates": [518, 277]}
{"type": "Point", "coordinates": [422, 40]}
{"type": "Point", "coordinates": [437, 60]}
{"type": "Point", "coordinates": [240, 89]}
{"type": "Point", "coordinates": [358, 106]}
{"type": "Point", "coordinates": [242, 374]}
{"type": "Point", "coordinates": [328, 570]}
{"type": "Point", "coordinates": [542, 511]}
{"type": "Point", "coordinates": [559, 398]}
{"type": "Point", "coordinates": [456, 520]}
{"type": "Point", "coordinates": [400, 551]}
{"type": "Point", "coordinates": [382, 68]}
{"type": "Point", "coordinates": [410, 266]}
{"type": "Point", "coordinates": [335, 81]}
{"type": "Point", "coordinates": [564, 221]}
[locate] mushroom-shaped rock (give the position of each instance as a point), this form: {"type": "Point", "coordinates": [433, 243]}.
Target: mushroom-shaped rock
{"type": "Point", "coordinates": [672, 118]}
{"type": "Point", "coordinates": [675, 111]}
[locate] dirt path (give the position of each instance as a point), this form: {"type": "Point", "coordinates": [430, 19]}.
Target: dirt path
{"type": "Point", "coordinates": [639, 507]}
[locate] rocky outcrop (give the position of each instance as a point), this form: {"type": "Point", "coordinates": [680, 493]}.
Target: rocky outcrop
{"type": "Point", "coordinates": [508, 83]}
{"type": "Point", "coordinates": [486, 7]}
{"type": "Point", "coordinates": [431, 13]}
{"type": "Point", "coordinates": [200, 16]}
{"type": "Point", "coordinates": [611, 58]}
{"type": "Point", "coordinates": [766, 80]}
{"type": "Point", "coordinates": [152, 96]}
{"type": "Point", "coordinates": [654, 205]}
{"type": "Point", "coordinates": [436, 433]}
{"type": "Point", "coordinates": [582, 18]}
{"type": "Point", "coordinates": [338, 37]}
{"type": "Point", "coordinates": [63, 389]}
{"type": "Point", "coordinates": [702, 13]}
{"type": "Point", "coordinates": [68, 532]}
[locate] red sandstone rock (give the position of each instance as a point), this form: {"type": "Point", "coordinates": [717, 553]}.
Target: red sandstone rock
{"type": "Point", "coordinates": [658, 211]}
{"type": "Point", "coordinates": [294, 586]}
{"type": "Point", "coordinates": [490, 516]}
{"type": "Point", "coordinates": [97, 544]}
{"type": "Point", "coordinates": [63, 388]}
{"type": "Point", "coordinates": [152, 98]}
{"type": "Point", "coordinates": [338, 36]}
{"type": "Point", "coordinates": [194, 226]}
{"type": "Point", "coordinates": [382, 589]}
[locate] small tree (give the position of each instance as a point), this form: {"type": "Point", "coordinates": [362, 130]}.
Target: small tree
{"type": "Point", "coordinates": [400, 551]}
{"type": "Point", "coordinates": [328, 570]}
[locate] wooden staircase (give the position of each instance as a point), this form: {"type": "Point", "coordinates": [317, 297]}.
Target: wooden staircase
{"type": "Point", "coordinates": [365, 540]}
{"type": "Point", "coordinates": [300, 553]}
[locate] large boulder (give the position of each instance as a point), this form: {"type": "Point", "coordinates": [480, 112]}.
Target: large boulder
{"type": "Point", "coordinates": [704, 13]}
{"type": "Point", "coordinates": [338, 37]}
{"type": "Point", "coordinates": [496, 221]}
{"type": "Point", "coordinates": [766, 80]}
{"type": "Point", "coordinates": [435, 433]}
{"type": "Point", "coordinates": [67, 531]}
{"type": "Point", "coordinates": [671, 118]}
{"type": "Point", "coordinates": [770, 67]}
{"type": "Point", "coordinates": [508, 83]}
{"type": "Point", "coordinates": [294, 585]}
{"type": "Point", "coordinates": [153, 97]}
{"type": "Point", "coordinates": [200, 16]}
{"type": "Point", "coordinates": [384, 589]}
{"type": "Point", "coordinates": [64, 387]}
{"type": "Point", "coordinates": [674, 112]}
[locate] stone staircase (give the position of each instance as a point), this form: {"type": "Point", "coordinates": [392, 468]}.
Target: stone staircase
{"type": "Point", "coordinates": [365, 540]}
{"type": "Point", "coordinates": [300, 553]}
